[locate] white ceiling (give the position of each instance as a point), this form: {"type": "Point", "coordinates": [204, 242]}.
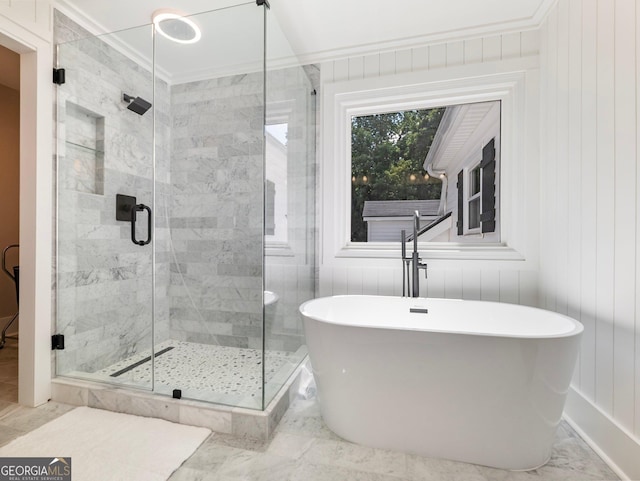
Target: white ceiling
{"type": "Point", "coordinates": [319, 30]}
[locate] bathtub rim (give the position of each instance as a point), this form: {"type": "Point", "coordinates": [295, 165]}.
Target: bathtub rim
{"type": "Point", "coordinates": [577, 330]}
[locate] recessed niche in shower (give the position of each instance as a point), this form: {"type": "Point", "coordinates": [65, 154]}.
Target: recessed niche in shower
{"type": "Point", "coordinates": [84, 150]}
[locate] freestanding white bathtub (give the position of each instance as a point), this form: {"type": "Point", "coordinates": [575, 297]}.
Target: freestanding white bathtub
{"type": "Point", "coordinates": [473, 381]}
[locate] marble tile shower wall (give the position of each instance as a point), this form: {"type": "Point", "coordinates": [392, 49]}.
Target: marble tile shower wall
{"type": "Point", "coordinates": [216, 213]}
{"type": "Point", "coordinates": [104, 280]}
{"type": "Point", "coordinates": [208, 213]}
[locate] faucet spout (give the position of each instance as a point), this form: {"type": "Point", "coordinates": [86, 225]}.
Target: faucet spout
{"type": "Point", "coordinates": [416, 262]}
{"type": "Point", "coordinates": [411, 265]}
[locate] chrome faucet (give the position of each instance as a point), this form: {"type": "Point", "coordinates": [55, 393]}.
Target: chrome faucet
{"type": "Point", "coordinates": [412, 264]}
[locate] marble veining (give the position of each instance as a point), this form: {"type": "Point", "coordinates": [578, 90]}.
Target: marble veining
{"type": "Point", "coordinates": [209, 266]}
{"type": "Point", "coordinates": [103, 280]}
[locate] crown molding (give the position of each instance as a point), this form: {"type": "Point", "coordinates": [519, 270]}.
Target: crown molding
{"type": "Point", "coordinates": [88, 23]}
{"type": "Point", "coordinates": [533, 22]}
{"type": "Point", "coordinates": [96, 28]}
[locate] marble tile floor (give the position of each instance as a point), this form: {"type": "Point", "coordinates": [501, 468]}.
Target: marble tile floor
{"type": "Point", "coordinates": [303, 449]}
{"type": "Point", "coordinates": [9, 372]}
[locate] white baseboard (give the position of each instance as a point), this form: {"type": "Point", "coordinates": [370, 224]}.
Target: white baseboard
{"type": "Point", "coordinates": [613, 443]}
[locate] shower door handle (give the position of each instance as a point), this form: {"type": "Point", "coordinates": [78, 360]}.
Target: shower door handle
{"type": "Point", "coordinates": [139, 208]}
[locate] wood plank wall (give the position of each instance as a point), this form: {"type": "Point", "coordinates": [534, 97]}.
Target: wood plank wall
{"type": "Point", "coordinates": [32, 15]}
{"type": "Point", "coordinates": [462, 52]}
{"type": "Point", "coordinates": [589, 193]}
{"type": "Point", "coordinates": [501, 281]}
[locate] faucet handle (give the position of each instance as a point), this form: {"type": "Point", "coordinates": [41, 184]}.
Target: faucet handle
{"type": "Point", "coordinates": [423, 267]}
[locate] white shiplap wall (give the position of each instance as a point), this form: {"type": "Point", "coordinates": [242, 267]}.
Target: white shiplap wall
{"type": "Point", "coordinates": [462, 52]}
{"type": "Point", "coordinates": [589, 214]}
{"type": "Point", "coordinates": [34, 16]}
{"type": "Point", "coordinates": [505, 281]}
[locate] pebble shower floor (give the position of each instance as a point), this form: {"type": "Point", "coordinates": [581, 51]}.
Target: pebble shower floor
{"type": "Point", "coordinates": [210, 372]}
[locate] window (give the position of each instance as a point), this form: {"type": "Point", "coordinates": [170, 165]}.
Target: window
{"type": "Point", "coordinates": [508, 90]}
{"type": "Point", "coordinates": [388, 180]}
{"type": "Point", "coordinates": [474, 198]}
{"type": "Point", "coordinates": [477, 194]}
{"type": "Point", "coordinates": [276, 183]}
{"type": "Point", "coordinates": [400, 163]}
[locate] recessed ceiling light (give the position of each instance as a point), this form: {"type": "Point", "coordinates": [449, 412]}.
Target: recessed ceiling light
{"type": "Point", "coordinates": [175, 26]}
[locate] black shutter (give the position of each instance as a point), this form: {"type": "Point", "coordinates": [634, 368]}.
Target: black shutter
{"type": "Point", "coordinates": [488, 166]}
{"type": "Point", "coordinates": [460, 202]}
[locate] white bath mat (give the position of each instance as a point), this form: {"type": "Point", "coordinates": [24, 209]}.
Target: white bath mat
{"type": "Point", "coordinates": [110, 446]}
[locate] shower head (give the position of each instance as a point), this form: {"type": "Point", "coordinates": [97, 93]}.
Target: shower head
{"type": "Point", "coordinates": [137, 104]}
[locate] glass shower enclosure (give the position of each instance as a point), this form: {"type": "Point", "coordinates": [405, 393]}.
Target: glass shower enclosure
{"type": "Point", "coordinates": [185, 207]}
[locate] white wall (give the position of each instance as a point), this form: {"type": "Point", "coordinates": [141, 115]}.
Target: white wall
{"type": "Point", "coordinates": [463, 52]}
{"type": "Point", "coordinates": [506, 281]}
{"type": "Point", "coordinates": [589, 210]}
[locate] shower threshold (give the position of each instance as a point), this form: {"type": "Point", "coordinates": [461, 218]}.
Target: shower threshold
{"type": "Point", "coordinates": [229, 396]}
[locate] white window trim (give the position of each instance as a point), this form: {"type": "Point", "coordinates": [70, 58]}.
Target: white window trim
{"type": "Point", "coordinates": [514, 82]}
{"type": "Point", "coordinates": [279, 113]}
{"type": "Point", "coordinates": [468, 198]}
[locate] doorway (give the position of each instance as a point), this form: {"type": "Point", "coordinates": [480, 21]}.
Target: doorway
{"type": "Point", "coordinates": [9, 223]}
{"type": "Point", "coordinates": [30, 42]}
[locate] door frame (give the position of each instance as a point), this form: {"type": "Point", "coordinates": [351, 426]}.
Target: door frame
{"type": "Point", "coordinates": [36, 209]}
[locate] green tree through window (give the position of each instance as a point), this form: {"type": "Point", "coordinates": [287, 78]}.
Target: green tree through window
{"type": "Point", "coordinates": [387, 153]}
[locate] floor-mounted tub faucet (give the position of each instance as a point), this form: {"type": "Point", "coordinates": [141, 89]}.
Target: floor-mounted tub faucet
{"type": "Point", "coordinates": [412, 265]}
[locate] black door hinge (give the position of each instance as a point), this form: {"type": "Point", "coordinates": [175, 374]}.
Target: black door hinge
{"type": "Point", "coordinates": [57, 342]}
{"type": "Point", "coordinates": [58, 76]}
{"type": "Point", "coordinates": [263, 2]}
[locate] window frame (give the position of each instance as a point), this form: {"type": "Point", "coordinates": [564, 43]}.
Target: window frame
{"type": "Point", "coordinates": [270, 239]}
{"type": "Point", "coordinates": [468, 198]}
{"type": "Point", "coordinates": [280, 112]}
{"type": "Point", "coordinates": [512, 82]}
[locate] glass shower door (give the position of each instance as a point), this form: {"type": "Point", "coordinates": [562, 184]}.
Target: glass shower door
{"type": "Point", "coordinates": [210, 205]}
{"type": "Point", "coordinates": [105, 201]}
{"type": "Point", "coordinates": [200, 293]}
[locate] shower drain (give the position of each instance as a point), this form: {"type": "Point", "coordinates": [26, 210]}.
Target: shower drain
{"type": "Point", "coordinates": [140, 362]}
